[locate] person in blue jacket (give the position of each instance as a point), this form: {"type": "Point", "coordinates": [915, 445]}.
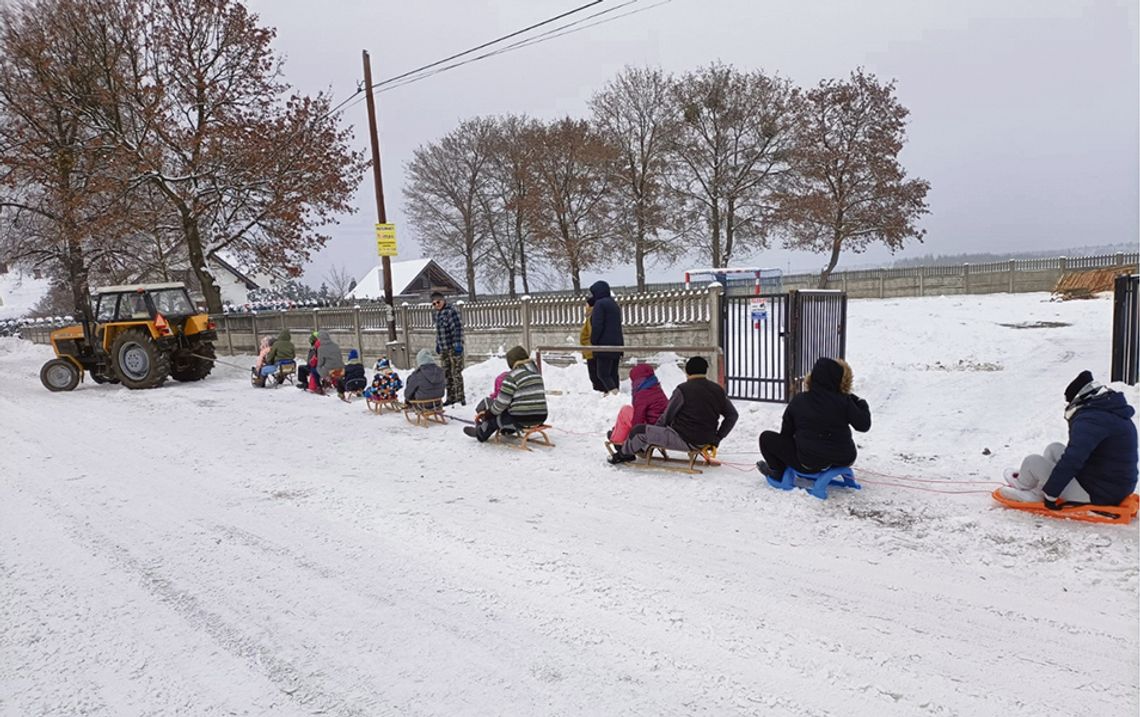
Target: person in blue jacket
{"type": "Point", "coordinates": [605, 330]}
{"type": "Point", "coordinates": [1098, 465]}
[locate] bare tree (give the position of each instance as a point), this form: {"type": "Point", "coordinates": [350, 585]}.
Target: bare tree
{"type": "Point", "coordinates": [572, 167]}
{"type": "Point", "coordinates": [63, 200]}
{"type": "Point", "coordinates": [340, 281]}
{"type": "Point", "coordinates": [240, 164]}
{"type": "Point", "coordinates": [849, 189]}
{"type": "Point", "coordinates": [505, 197]}
{"type": "Point", "coordinates": [730, 152]}
{"type": "Point", "coordinates": [633, 114]}
{"type": "Point", "coordinates": [443, 194]}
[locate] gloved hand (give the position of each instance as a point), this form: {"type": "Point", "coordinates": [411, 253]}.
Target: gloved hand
{"type": "Point", "coordinates": [458, 349]}
{"type": "Point", "coordinates": [1051, 503]}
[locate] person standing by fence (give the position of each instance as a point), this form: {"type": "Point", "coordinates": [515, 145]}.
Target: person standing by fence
{"type": "Point", "coordinates": [605, 330]}
{"type": "Point", "coordinates": [584, 340]}
{"type": "Point", "coordinates": [449, 346]}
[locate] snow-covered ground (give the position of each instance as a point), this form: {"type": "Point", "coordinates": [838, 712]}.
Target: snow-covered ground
{"type": "Point", "coordinates": [19, 294]}
{"type": "Point", "coordinates": [210, 549]}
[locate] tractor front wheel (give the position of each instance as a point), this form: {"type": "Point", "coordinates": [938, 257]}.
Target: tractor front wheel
{"type": "Point", "coordinates": [59, 375]}
{"type": "Point", "coordinates": [138, 361]}
{"type": "Point", "coordinates": [194, 363]}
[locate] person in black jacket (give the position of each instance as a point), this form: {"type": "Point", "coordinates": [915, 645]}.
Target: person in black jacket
{"type": "Point", "coordinates": [1098, 465]}
{"type": "Point", "coordinates": [605, 330]}
{"type": "Point", "coordinates": [690, 420]}
{"type": "Point", "coordinates": [816, 431]}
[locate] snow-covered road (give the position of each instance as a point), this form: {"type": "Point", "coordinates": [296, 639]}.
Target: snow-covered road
{"type": "Point", "coordinates": [209, 549]}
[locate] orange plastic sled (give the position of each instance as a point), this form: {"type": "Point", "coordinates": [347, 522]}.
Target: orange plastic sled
{"type": "Point", "coordinates": [1119, 514]}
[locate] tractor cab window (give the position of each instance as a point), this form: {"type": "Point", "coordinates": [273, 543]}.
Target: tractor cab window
{"type": "Point", "coordinates": [172, 302]}
{"type": "Point", "coordinates": [132, 307]}
{"type": "Point", "coordinates": [105, 311]}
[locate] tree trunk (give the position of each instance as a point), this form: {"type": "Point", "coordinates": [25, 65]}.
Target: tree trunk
{"type": "Point", "coordinates": [210, 290]}
{"type": "Point", "coordinates": [576, 278]}
{"type": "Point", "coordinates": [836, 245]}
{"type": "Point", "coordinates": [639, 251]}
{"type": "Point", "coordinates": [522, 252]}
{"type": "Point", "coordinates": [512, 281]}
{"type": "Point", "coordinates": [729, 232]}
{"type": "Point", "coordinates": [77, 278]}
{"type": "Point", "coordinates": [714, 219]}
{"type": "Point", "coordinates": [470, 277]}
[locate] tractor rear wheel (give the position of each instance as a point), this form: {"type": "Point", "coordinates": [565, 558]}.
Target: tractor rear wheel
{"type": "Point", "coordinates": [194, 363]}
{"type": "Point", "coordinates": [138, 361]}
{"type": "Point", "coordinates": [59, 375]}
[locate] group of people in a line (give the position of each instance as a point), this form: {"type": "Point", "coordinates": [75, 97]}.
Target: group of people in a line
{"type": "Point", "coordinates": [1098, 464]}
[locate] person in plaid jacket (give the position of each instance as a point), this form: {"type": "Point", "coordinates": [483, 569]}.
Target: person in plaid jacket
{"type": "Point", "coordinates": [449, 346]}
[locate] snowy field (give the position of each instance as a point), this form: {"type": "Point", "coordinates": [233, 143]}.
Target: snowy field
{"type": "Point", "coordinates": [210, 549]}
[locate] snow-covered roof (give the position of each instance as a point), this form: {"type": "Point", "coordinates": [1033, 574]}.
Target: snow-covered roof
{"type": "Point", "coordinates": [138, 287]}
{"type": "Point", "coordinates": [404, 275]}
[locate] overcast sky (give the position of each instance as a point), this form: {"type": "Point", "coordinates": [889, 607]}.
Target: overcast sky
{"type": "Point", "coordinates": [1025, 114]}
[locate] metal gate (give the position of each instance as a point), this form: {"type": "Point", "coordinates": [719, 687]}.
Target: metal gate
{"type": "Point", "coordinates": [1125, 332]}
{"type": "Point", "coordinates": [771, 341]}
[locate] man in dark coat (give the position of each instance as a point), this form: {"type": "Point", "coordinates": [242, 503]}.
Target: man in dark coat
{"type": "Point", "coordinates": [816, 431]}
{"type": "Point", "coordinates": [690, 420]}
{"type": "Point", "coordinates": [605, 330]}
{"type": "Point", "coordinates": [449, 346]}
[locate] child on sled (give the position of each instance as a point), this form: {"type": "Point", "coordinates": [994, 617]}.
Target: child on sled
{"type": "Point", "coordinates": [386, 383]}
{"type": "Point", "coordinates": [649, 403]}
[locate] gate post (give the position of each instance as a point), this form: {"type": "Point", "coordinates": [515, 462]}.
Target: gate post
{"type": "Point", "coordinates": [356, 328]}
{"type": "Point", "coordinates": [791, 342]}
{"type": "Point", "coordinates": [715, 339]}
{"type": "Point", "coordinates": [406, 325]}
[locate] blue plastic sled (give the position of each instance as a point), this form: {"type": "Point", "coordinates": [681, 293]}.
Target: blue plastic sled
{"type": "Point", "coordinates": [842, 476]}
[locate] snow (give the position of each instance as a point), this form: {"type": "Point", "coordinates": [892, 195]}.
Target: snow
{"type": "Point", "coordinates": [19, 294]}
{"type": "Point", "coordinates": [210, 549]}
{"type": "Point", "coordinates": [403, 274]}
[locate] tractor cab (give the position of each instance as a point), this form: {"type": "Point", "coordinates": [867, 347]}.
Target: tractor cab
{"type": "Point", "coordinates": [142, 334]}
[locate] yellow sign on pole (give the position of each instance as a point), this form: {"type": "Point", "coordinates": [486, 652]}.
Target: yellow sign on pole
{"type": "Point", "coordinates": [386, 239]}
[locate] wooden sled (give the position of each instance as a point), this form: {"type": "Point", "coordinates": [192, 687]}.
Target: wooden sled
{"type": "Point", "coordinates": [664, 462]}
{"type": "Point", "coordinates": [1117, 514]}
{"type": "Point", "coordinates": [378, 407]}
{"type": "Point", "coordinates": [534, 435]}
{"type": "Point", "coordinates": [425, 413]}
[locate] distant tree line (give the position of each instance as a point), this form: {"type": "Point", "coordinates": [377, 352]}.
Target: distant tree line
{"type": "Point", "coordinates": [717, 163]}
{"type": "Point", "coordinates": [138, 137]}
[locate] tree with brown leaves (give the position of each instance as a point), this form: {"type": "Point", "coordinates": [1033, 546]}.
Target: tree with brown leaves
{"type": "Point", "coordinates": [572, 168]}
{"type": "Point", "coordinates": [848, 189]}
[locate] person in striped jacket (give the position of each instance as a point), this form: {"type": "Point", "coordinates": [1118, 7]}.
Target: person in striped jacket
{"type": "Point", "coordinates": [521, 402]}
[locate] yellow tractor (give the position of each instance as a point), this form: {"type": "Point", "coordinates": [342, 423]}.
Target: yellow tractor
{"type": "Point", "coordinates": [140, 335]}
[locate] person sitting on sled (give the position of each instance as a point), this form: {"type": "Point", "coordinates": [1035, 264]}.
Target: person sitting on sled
{"type": "Point", "coordinates": [386, 383]}
{"type": "Point", "coordinates": [262, 351]}
{"type": "Point", "coordinates": [649, 403]}
{"type": "Point", "coordinates": [482, 408]}
{"type": "Point", "coordinates": [521, 402]}
{"type": "Point", "coordinates": [1098, 466]}
{"type": "Point", "coordinates": [816, 431]}
{"type": "Point", "coordinates": [304, 372]}
{"type": "Point", "coordinates": [690, 419]}
{"type": "Point", "coordinates": [427, 382]}
{"type": "Point", "coordinates": [330, 364]}
{"type": "Point", "coordinates": [354, 379]}
{"type": "Point", "coordinates": [280, 351]}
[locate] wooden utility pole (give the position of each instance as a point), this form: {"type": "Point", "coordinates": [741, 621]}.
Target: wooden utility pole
{"type": "Point", "coordinates": [382, 214]}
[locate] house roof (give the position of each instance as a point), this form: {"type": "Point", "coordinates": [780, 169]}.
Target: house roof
{"type": "Point", "coordinates": [404, 276]}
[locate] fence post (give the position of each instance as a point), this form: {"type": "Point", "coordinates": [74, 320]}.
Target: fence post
{"type": "Point", "coordinates": [405, 323]}
{"type": "Point", "coordinates": [882, 281]}
{"type": "Point", "coordinates": [356, 328]}
{"type": "Point", "coordinates": [524, 312]}
{"type": "Point", "coordinates": [715, 292]}
{"type": "Point", "coordinates": [229, 333]}
{"type": "Point", "coordinates": [922, 281]}
{"type": "Point", "coordinates": [966, 278]}
{"type": "Point", "coordinates": [1119, 259]}
{"type": "Point", "coordinates": [284, 324]}
{"type": "Point", "coordinates": [253, 329]}
{"type": "Point", "coordinates": [316, 321]}
{"type": "Point", "coordinates": [1064, 264]}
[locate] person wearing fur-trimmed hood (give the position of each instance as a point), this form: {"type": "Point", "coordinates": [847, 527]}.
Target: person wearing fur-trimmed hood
{"type": "Point", "coordinates": [1097, 466]}
{"type": "Point", "coordinates": [521, 402]}
{"type": "Point", "coordinates": [427, 382]}
{"type": "Point", "coordinates": [816, 430]}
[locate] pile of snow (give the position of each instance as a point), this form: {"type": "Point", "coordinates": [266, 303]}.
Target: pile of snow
{"type": "Point", "coordinates": [212, 549]}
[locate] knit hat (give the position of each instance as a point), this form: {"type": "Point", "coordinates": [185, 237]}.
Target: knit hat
{"type": "Point", "coordinates": [517, 355]}
{"type": "Point", "coordinates": [382, 364]}
{"type": "Point", "coordinates": [353, 354]}
{"type": "Point", "coordinates": [1083, 379]}
{"type": "Point", "coordinates": [424, 357]}
{"type": "Point", "coordinates": [696, 366]}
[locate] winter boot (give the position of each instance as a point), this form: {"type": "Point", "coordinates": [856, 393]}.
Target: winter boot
{"type": "Point", "coordinates": [470, 431]}
{"type": "Point", "coordinates": [619, 458]}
